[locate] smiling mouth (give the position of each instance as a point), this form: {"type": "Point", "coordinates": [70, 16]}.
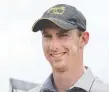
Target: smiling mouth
{"type": "Point", "coordinates": [57, 55]}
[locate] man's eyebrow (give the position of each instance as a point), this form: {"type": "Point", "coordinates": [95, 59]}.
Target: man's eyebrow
{"type": "Point", "coordinates": [62, 32]}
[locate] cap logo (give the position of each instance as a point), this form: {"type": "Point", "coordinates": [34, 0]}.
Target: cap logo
{"type": "Point", "coordinates": [59, 10]}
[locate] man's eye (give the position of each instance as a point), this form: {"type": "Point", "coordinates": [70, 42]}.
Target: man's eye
{"type": "Point", "coordinates": [47, 36]}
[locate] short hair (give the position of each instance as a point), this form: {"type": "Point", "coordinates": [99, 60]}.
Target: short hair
{"type": "Point", "coordinates": [80, 31]}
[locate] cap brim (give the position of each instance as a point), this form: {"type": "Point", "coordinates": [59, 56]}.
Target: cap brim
{"type": "Point", "coordinates": [38, 25]}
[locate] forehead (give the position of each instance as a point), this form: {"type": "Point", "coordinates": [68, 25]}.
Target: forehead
{"type": "Point", "coordinates": [54, 31]}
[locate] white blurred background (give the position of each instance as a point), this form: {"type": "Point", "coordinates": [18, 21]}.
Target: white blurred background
{"type": "Point", "coordinates": [21, 54]}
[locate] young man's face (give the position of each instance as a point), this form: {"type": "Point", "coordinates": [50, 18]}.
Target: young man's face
{"type": "Point", "coordinates": [61, 48]}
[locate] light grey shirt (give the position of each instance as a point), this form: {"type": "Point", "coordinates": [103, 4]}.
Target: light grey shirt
{"type": "Point", "coordinates": [86, 83]}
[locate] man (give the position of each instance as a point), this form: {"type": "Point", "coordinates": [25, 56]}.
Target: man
{"type": "Point", "coordinates": [64, 37]}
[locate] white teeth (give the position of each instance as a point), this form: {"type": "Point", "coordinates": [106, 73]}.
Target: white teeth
{"type": "Point", "coordinates": [56, 55]}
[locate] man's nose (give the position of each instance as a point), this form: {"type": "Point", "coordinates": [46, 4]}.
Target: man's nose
{"type": "Point", "coordinates": [54, 44]}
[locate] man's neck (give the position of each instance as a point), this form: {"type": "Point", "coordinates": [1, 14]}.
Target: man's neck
{"type": "Point", "coordinates": [65, 80]}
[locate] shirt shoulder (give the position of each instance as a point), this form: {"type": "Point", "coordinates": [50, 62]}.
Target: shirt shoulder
{"type": "Point", "coordinates": [36, 89]}
{"type": "Point", "coordinates": [99, 86]}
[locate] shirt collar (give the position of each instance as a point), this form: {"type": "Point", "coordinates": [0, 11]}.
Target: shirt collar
{"type": "Point", "coordinates": [84, 82]}
{"type": "Point", "coordinates": [48, 84]}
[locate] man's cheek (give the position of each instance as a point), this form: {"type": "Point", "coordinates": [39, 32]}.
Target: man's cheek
{"type": "Point", "coordinates": [74, 48]}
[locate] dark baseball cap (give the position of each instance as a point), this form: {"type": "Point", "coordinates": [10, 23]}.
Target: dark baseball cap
{"type": "Point", "coordinates": [64, 16]}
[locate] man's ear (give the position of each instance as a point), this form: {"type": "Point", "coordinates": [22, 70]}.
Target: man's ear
{"type": "Point", "coordinates": [84, 39]}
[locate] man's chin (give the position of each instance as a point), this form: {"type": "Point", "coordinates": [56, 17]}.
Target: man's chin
{"type": "Point", "coordinates": [60, 68]}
